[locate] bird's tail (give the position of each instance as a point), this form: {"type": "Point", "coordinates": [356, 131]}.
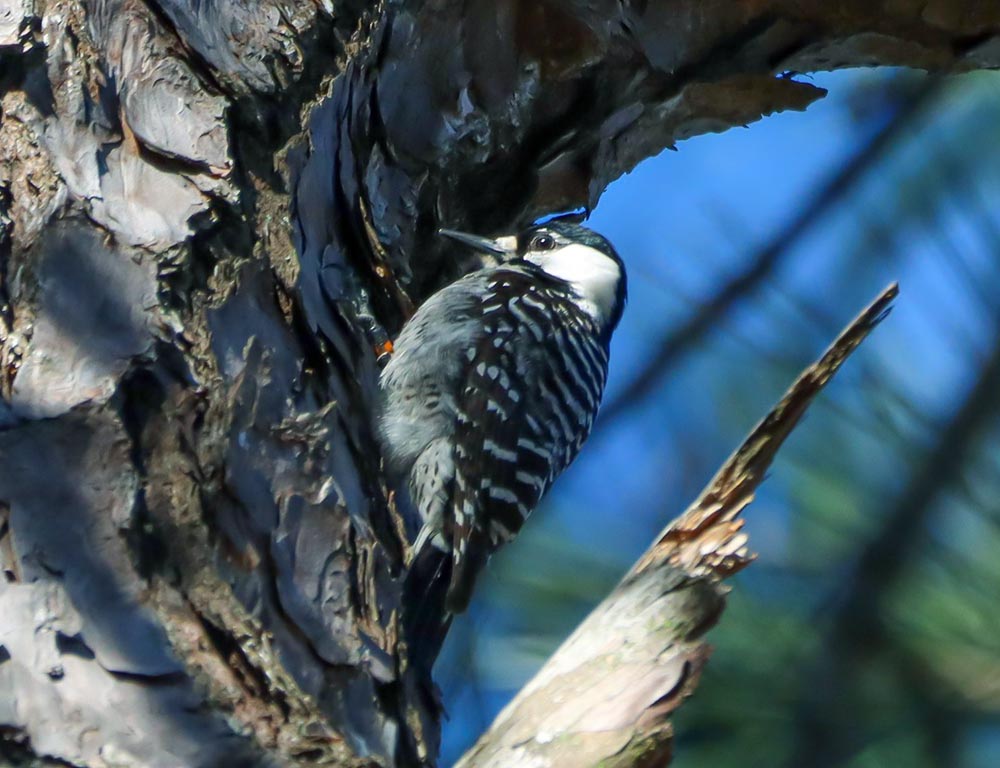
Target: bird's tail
{"type": "Point", "coordinates": [469, 558]}
{"type": "Point", "coordinates": [438, 586]}
{"type": "Point", "coordinates": [425, 615]}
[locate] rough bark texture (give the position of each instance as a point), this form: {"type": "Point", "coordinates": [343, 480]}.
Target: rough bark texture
{"type": "Point", "coordinates": [199, 202]}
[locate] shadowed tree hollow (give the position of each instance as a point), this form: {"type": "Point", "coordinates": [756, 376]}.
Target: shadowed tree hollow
{"type": "Point", "coordinates": [202, 206]}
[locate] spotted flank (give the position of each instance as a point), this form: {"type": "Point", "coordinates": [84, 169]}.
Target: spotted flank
{"type": "Point", "coordinates": [516, 438]}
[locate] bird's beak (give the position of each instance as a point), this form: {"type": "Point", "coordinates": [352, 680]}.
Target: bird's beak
{"type": "Point", "coordinates": [502, 246]}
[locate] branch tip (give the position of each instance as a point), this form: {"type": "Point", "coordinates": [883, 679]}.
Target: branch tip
{"type": "Point", "coordinates": [615, 682]}
{"type": "Point", "coordinates": [706, 538]}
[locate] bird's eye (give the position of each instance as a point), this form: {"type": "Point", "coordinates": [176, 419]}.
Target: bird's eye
{"type": "Point", "coordinates": [542, 243]}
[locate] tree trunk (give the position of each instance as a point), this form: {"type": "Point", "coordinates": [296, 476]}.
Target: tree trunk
{"type": "Point", "coordinates": [202, 207]}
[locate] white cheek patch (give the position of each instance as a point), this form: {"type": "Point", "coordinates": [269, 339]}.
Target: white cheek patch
{"type": "Point", "coordinates": [594, 275]}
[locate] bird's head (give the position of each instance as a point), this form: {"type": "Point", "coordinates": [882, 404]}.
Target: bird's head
{"type": "Point", "coordinates": [567, 252]}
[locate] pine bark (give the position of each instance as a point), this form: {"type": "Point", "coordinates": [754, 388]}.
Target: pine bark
{"type": "Point", "coordinates": [201, 207]}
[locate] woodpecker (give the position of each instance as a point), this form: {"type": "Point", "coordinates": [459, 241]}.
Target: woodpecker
{"type": "Point", "coordinates": [491, 390]}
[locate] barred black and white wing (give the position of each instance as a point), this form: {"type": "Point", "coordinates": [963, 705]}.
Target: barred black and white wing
{"type": "Point", "coordinates": [532, 388]}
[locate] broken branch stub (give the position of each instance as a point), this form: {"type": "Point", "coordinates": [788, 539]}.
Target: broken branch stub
{"type": "Point", "coordinates": [606, 695]}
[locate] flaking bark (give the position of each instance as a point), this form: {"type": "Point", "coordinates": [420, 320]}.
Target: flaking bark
{"type": "Point", "coordinates": [199, 203]}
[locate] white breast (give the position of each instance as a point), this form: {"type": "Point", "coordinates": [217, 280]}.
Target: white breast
{"type": "Point", "coordinates": [594, 275]}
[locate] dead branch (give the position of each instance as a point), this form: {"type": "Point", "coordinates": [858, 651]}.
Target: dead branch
{"type": "Point", "coordinates": [605, 697]}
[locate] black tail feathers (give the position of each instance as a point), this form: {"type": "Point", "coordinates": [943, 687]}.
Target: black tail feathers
{"type": "Point", "coordinates": [465, 571]}
{"type": "Point", "coordinates": [425, 616]}
{"type": "Point", "coordinates": [438, 586]}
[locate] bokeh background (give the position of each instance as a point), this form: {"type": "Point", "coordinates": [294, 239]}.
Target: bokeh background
{"type": "Point", "coordinates": [868, 631]}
